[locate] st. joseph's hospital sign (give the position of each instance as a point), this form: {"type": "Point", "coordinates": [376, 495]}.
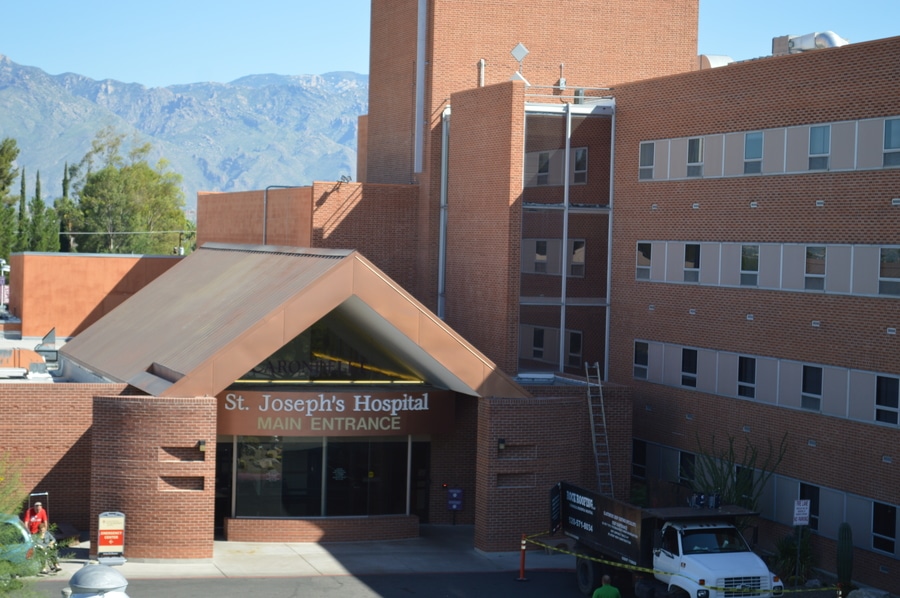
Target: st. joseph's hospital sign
{"type": "Point", "coordinates": [383, 413]}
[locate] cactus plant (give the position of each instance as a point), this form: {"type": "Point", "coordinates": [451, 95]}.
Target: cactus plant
{"type": "Point", "coordinates": [844, 555]}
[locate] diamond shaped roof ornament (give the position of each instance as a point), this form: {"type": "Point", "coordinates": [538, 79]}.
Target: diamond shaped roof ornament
{"type": "Point", "coordinates": [519, 52]}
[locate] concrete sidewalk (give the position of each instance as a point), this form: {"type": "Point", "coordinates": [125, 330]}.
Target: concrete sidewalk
{"type": "Point", "coordinates": [438, 549]}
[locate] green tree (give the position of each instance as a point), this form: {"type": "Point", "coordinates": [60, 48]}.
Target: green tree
{"type": "Point", "coordinates": [739, 479]}
{"type": "Point", "coordinates": [22, 242]}
{"type": "Point", "coordinates": [68, 212]}
{"type": "Point", "coordinates": [11, 500]}
{"type": "Point", "coordinates": [43, 230]}
{"type": "Point", "coordinates": [128, 206]}
{"type": "Point", "coordinates": [8, 154]}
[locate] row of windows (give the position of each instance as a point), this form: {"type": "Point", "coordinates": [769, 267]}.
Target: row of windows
{"type": "Point", "coordinates": [542, 344]}
{"type": "Point", "coordinates": [823, 389]}
{"type": "Point", "coordinates": [846, 269]}
{"type": "Point", "coordinates": [546, 167]}
{"type": "Point", "coordinates": [544, 256]}
{"type": "Point", "coordinates": [874, 523]}
{"type": "Point", "coordinates": [835, 146]}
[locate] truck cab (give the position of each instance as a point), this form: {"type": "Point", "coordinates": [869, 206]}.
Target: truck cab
{"type": "Point", "coordinates": [710, 559]}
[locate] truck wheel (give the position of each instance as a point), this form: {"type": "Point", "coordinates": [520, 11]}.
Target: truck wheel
{"type": "Point", "coordinates": [588, 575]}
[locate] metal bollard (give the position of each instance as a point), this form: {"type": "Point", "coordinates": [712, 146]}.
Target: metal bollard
{"type": "Point", "coordinates": [96, 581]}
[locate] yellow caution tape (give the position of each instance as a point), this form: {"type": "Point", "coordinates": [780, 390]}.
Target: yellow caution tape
{"type": "Point", "coordinates": [627, 567]}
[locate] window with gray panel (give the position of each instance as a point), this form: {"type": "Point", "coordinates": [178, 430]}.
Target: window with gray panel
{"type": "Point", "coordinates": [691, 262]}
{"type": "Point", "coordinates": [811, 388]}
{"type": "Point", "coordinates": [887, 399]}
{"type": "Point", "coordinates": [746, 377]}
{"type": "Point", "coordinates": [689, 367]}
{"type": "Point", "coordinates": [814, 279]}
{"type": "Point", "coordinates": [753, 150]}
{"type": "Point", "coordinates": [884, 527]}
{"type": "Point", "coordinates": [819, 147]}
{"type": "Point", "coordinates": [811, 493]}
{"type": "Point", "coordinates": [644, 251]}
{"type": "Point", "coordinates": [645, 170]}
{"type": "Point", "coordinates": [891, 142]}
{"type": "Point", "coordinates": [641, 359]}
{"type": "Point", "coordinates": [695, 157]}
{"type": "Point", "coordinates": [749, 265]}
{"type": "Point", "coordinates": [638, 458]}
{"type": "Point", "coordinates": [889, 271]}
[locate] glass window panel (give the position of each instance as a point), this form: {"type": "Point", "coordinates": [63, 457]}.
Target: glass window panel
{"type": "Point", "coordinates": [884, 527]}
{"type": "Point", "coordinates": [647, 154]}
{"type": "Point", "coordinates": [892, 134]}
{"type": "Point", "coordinates": [747, 377]}
{"type": "Point", "coordinates": [641, 359]}
{"type": "Point", "coordinates": [638, 458]}
{"type": "Point", "coordinates": [753, 144]}
{"type": "Point", "coordinates": [811, 493]}
{"type": "Point", "coordinates": [689, 367]}
{"type": "Point", "coordinates": [819, 140]}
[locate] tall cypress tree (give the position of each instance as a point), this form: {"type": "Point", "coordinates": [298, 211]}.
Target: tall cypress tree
{"type": "Point", "coordinates": [22, 241]}
{"type": "Point", "coordinates": [44, 232]}
{"type": "Point", "coordinates": [67, 213]}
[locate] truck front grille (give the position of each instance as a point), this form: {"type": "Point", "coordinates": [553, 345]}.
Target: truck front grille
{"type": "Point", "coordinates": [743, 587]}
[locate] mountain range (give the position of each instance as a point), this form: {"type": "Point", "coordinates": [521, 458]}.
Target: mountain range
{"type": "Point", "coordinates": [256, 131]}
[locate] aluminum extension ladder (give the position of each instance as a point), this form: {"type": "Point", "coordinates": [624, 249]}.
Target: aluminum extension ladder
{"type": "Point", "coordinates": [599, 436]}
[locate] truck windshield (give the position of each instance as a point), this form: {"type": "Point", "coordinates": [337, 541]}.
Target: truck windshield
{"type": "Point", "coordinates": [703, 541]}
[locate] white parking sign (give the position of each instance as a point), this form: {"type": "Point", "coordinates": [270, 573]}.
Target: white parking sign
{"type": "Point", "coordinates": [801, 512]}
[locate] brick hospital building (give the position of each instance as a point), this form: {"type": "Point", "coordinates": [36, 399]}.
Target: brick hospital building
{"type": "Point", "coordinates": [535, 191]}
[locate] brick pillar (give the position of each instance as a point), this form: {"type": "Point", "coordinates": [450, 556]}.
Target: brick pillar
{"type": "Point", "coordinates": [148, 463]}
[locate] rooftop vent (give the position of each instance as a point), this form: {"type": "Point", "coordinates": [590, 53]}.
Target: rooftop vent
{"type": "Point", "coordinates": [794, 44]}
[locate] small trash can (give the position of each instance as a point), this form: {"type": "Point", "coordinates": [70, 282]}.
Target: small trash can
{"type": "Point", "coordinates": [96, 581]}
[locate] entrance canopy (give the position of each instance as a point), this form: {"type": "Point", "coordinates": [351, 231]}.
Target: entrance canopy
{"type": "Point", "coordinates": [225, 308]}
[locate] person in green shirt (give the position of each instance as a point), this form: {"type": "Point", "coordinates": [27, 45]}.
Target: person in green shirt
{"type": "Point", "coordinates": [606, 590]}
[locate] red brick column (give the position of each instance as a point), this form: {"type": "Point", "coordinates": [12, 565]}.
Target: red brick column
{"type": "Point", "coordinates": [148, 463]}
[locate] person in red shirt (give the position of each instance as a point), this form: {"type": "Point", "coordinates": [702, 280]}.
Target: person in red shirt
{"type": "Point", "coordinates": [34, 517]}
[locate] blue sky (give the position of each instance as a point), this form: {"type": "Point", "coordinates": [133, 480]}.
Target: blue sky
{"type": "Point", "coordinates": [168, 42]}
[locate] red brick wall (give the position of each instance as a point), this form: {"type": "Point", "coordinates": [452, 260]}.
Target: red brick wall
{"type": "Point", "coordinates": [45, 429]}
{"type": "Point", "coordinates": [853, 82]}
{"type": "Point", "coordinates": [484, 219]}
{"type": "Point", "coordinates": [392, 69]}
{"type": "Point", "coordinates": [548, 440]}
{"type": "Point", "coordinates": [70, 291]}
{"type": "Point", "coordinates": [376, 220]}
{"type": "Point", "coordinates": [238, 217]}
{"type": "Point", "coordinates": [147, 464]}
{"type": "Point", "coordinates": [453, 463]}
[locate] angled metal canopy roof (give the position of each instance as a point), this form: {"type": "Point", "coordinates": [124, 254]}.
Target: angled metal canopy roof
{"type": "Point", "coordinates": [225, 308]}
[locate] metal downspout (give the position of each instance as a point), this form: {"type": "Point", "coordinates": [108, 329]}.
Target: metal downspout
{"type": "Point", "coordinates": [609, 245]}
{"type": "Point", "coordinates": [442, 233]}
{"type": "Point", "coordinates": [563, 349]}
{"type": "Point", "coordinates": [419, 111]}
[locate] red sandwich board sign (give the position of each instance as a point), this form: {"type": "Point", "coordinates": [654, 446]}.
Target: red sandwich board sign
{"type": "Point", "coordinates": [111, 538]}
